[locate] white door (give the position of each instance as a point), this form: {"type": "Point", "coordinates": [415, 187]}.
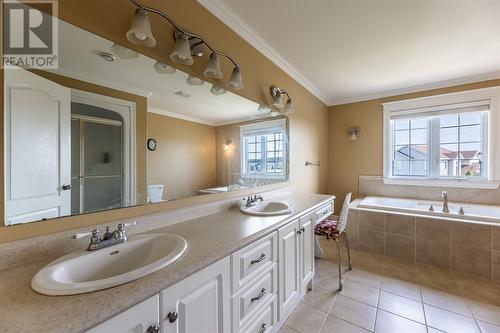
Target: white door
{"type": "Point", "coordinates": [199, 303]}
{"type": "Point", "coordinates": [137, 319]}
{"type": "Point", "coordinates": [37, 148]}
{"type": "Point", "coordinates": [288, 257]}
{"type": "Point", "coordinates": [306, 251]}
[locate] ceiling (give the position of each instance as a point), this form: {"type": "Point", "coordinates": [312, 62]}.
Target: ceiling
{"type": "Point", "coordinates": [78, 58]}
{"type": "Point", "coordinates": [351, 50]}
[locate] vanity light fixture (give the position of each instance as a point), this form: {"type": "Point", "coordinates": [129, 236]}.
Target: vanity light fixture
{"type": "Point", "coordinates": [353, 133]}
{"type": "Point", "coordinates": [216, 90]}
{"type": "Point", "coordinates": [264, 108]}
{"type": "Point", "coordinates": [194, 81]}
{"type": "Point", "coordinates": [277, 94]}
{"type": "Point", "coordinates": [227, 145]}
{"type": "Point", "coordinates": [162, 68]}
{"type": "Point", "coordinates": [123, 52]}
{"type": "Point", "coordinates": [187, 45]}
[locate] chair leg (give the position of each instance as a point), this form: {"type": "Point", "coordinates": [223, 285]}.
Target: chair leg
{"type": "Point", "coordinates": [348, 251]}
{"type": "Point", "coordinates": [338, 259]}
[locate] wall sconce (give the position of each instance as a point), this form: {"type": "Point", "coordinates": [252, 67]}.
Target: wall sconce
{"type": "Point", "coordinates": [187, 45]}
{"type": "Point", "coordinates": [353, 133]}
{"type": "Point", "coordinates": [277, 93]}
{"type": "Point", "coordinates": [228, 145]}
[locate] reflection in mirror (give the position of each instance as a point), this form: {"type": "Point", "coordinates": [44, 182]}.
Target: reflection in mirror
{"type": "Point", "coordinates": [112, 128]}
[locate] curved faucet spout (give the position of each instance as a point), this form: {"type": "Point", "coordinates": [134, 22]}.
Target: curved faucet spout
{"type": "Point", "coordinates": [444, 195]}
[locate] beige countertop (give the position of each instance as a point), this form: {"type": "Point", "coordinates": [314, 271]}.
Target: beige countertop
{"type": "Point", "coordinates": [209, 238]}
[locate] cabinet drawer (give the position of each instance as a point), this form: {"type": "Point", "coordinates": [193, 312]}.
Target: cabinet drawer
{"type": "Point", "coordinates": [324, 211]}
{"type": "Point", "coordinates": [252, 260]}
{"type": "Point", "coordinates": [265, 320]}
{"type": "Point", "coordinates": [251, 299]}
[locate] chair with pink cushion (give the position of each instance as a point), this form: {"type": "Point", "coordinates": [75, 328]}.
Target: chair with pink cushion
{"type": "Point", "coordinates": [333, 228]}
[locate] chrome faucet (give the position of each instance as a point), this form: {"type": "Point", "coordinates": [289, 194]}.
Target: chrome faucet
{"type": "Point", "coordinates": [444, 195]}
{"type": "Point", "coordinates": [252, 200]}
{"type": "Point", "coordinates": [108, 239]}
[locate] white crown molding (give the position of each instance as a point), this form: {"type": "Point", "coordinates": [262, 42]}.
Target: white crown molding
{"type": "Point", "coordinates": [224, 13]}
{"type": "Point", "coordinates": [180, 116]}
{"type": "Point", "coordinates": [420, 88]}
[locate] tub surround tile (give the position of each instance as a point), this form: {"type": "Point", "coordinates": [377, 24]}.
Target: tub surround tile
{"type": "Point", "coordinates": [433, 229]}
{"type": "Point", "coordinates": [371, 221]}
{"type": "Point", "coordinates": [400, 224]}
{"type": "Point", "coordinates": [495, 234]}
{"type": "Point", "coordinates": [465, 258]}
{"type": "Point", "coordinates": [433, 252]}
{"type": "Point", "coordinates": [400, 246]}
{"type": "Point", "coordinates": [474, 235]}
{"type": "Point", "coordinates": [496, 266]}
{"type": "Point", "coordinates": [371, 241]}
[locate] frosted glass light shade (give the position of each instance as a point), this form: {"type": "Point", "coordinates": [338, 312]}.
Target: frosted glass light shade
{"type": "Point", "coordinates": [213, 67]}
{"type": "Point", "coordinates": [235, 82]}
{"type": "Point", "coordinates": [182, 51]}
{"type": "Point", "coordinates": [289, 106]}
{"type": "Point", "coordinates": [278, 102]}
{"type": "Point", "coordinates": [194, 81]}
{"type": "Point", "coordinates": [140, 29]}
{"type": "Point", "coordinates": [162, 68]}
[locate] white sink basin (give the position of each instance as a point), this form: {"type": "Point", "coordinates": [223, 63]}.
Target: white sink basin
{"type": "Point", "coordinates": [86, 271]}
{"type": "Point", "coordinates": [271, 208]}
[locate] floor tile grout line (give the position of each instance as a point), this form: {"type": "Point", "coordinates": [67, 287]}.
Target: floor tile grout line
{"type": "Point", "coordinates": [377, 309]}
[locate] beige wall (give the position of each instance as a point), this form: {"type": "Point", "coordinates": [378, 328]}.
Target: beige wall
{"type": "Point", "coordinates": [184, 160]}
{"type": "Point", "coordinates": [111, 20]}
{"type": "Point", "coordinates": [349, 159]}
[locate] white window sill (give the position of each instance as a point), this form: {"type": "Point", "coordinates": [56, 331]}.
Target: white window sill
{"type": "Point", "coordinates": [489, 185]}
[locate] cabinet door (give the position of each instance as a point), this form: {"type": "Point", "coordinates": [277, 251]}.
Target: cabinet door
{"type": "Point", "coordinates": [199, 303]}
{"type": "Point", "coordinates": [136, 319]}
{"type": "Point", "coordinates": [288, 254]}
{"type": "Point", "coordinates": [306, 250]}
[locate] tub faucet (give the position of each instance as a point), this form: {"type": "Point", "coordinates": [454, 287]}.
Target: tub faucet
{"type": "Point", "coordinates": [444, 195]}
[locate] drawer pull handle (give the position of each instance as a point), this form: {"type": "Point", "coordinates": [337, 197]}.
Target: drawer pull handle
{"type": "Point", "coordinates": [262, 257]}
{"type": "Point", "coordinates": [302, 229]}
{"type": "Point", "coordinates": [263, 328]}
{"type": "Point", "coordinates": [153, 329]}
{"type": "Point", "coordinates": [259, 296]}
{"type": "Point", "coordinates": [172, 316]}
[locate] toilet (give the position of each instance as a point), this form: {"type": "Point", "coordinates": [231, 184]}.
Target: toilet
{"type": "Point", "coordinates": [155, 193]}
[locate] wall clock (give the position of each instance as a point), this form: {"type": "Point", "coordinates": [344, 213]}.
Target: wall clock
{"type": "Point", "coordinates": [152, 144]}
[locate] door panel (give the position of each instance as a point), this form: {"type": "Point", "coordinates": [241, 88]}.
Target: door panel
{"type": "Point", "coordinates": [289, 290]}
{"type": "Point", "coordinates": [201, 301]}
{"type": "Point", "coordinates": [37, 147]}
{"type": "Point", "coordinates": [306, 251]}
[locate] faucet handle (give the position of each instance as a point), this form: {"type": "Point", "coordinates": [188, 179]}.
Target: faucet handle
{"type": "Point", "coordinates": [121, 226]}
{"type": "Point", "coordinates": [81, 235]}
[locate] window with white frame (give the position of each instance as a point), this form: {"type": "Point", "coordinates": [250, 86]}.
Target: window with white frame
{"type": "Point", "coordinates": [264, 153]}
{"type": "Point", "coordinates": [444, 142]}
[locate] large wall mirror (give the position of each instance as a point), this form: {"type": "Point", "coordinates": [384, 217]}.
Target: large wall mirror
{"type": "Point", "coordinates": [112, 128]}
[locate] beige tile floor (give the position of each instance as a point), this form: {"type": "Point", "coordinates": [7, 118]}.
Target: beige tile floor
{"type": "Point", "coordinates": [386, 295]}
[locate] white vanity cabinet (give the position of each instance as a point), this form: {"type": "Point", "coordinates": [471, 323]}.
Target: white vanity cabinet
{"type": "Point", "coordinates": [141, 318]}
{"type": "Point", "coordinates": [199, 303]}
{"type": "Point", "coordinates": [306, 251]}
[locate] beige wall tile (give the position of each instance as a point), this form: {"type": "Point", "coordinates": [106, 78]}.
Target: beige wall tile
{"type": "Point", "coordinates": [465, 258]}
{"type": "Point", "coordinates": [433, 252]}
{"type": "Point", "coordinates": [496, 266]}
{"type": "Point", "coordinates": [475, 235]}
{"type": "Point", "coordinates": [400, 224]}
{"type": "Point", "coordinates": [495, 234]}
{"type": "Point", "coordinates": [371, 241]}
{"type": "Point", "coordinates": [352, 227]}
{"type": "Point", "coordinates": [371, 220]}
{"type": "Point", "coordinates": [432, 229]}
{"type": "Point", "coordinates": [400, 246]}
